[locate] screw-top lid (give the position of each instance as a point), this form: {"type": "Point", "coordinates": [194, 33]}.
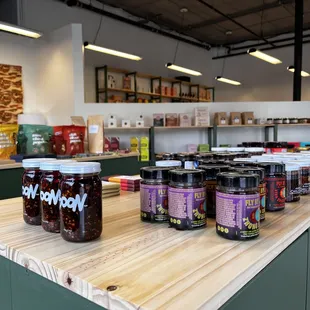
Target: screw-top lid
{"type": "Point", "coordinates": [186, 156]}
{"type": "Point", "coordinates": [213, 170]}
{"type": "Point", "coordinates": [155, 173]}
{"type": "Point", "coordinates": [54, 165]}
{"type": "Point", "coordinates": [254, 149]}
{"type": "Point", "coordinates": [219, 149]}
{"type": "Point", "coordinates": [237, 180]}
{"type": "Point", "coordinates": [35, 162]}
{"type": "Point", "coordinates": [193, 176]}
{"type": "Point", "coordinates": [248, 160]}
{"type": "Point", "coordinates": [167, 156]}
{"type": "Point", "coordinates": [235, 149]}
{"type": "Point", "coordinates": [300, 163]}
{"type": "Point", "coordinates": [272, 167]}
{"type": "Point", "coordinates": [168, 163]}
{"type": "Point", "coordinates": [241, 163]}
{"type": "Point", "coordinates": [291, 167]}
{"type": "Point", "coordinates": [80, 168]}
{"type": "Point", "coordinates": [204, 156]}
{"type": "Point", "coordinates": [251, 170]}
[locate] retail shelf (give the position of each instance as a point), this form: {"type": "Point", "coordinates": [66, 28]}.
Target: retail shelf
{"type": "Point", "coordinates": [126, 128]}
{"type": "Point", "coordinates": [255, 125]}
{"type": "Point", "coordinates": [120, 90]}
{"type": "Point", "coordinates": [292, 125]}
{"type": "Point", "coordinates": [179, 127]}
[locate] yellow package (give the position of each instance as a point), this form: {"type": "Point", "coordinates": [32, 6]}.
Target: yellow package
{"type": "Point", "coordinates": [144, 155]}
{"type": "Point", "coordinates": [8, 134]}
{"type": "Point", "coordinates": [134, 144]}
{"type": "Point", "coordinates": [144, 143]}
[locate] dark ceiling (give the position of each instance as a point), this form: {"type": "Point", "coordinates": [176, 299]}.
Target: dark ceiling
{"type": "Point", "coordinates": [262, 18]}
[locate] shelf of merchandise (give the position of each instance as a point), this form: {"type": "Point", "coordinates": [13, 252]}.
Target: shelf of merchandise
{"type": "Point", "coordinates": [125, 128]}
{"type": "Point", "coordinates": [277, 126]}
{"type": "Point", "coordinates": [133, 93]}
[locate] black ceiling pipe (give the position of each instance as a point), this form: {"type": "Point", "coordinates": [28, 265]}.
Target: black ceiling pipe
{"type": "Point", "coordinates": [91, 8]}
{"type": "Point", "coordinates": [299, 19]}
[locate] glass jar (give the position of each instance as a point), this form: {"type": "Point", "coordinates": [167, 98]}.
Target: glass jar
{"type": "Point", "coordinates": [211, 172]}
{"type": "Point", "coordinates": [31, 189]}
{"type": "Point", "coordinates": [255, 151]}
{"type": "Point", "coordinates": [50, 194]}
{"type": "Point", "coordinates": [302, 120]}
{"type": "Point", "coordinates": [275, 179]}
{"type": "Point", "coordinates": [278, 120]}
{"type": "Point", "coordinates": [237, 206]}
{"type": "Point", "coordinates": [80, 201]}
{"type": "Point", "coordinates": [202, 157]}
{"type": "Point", "coordinates": [187, 160]}
{"type": "Point", "coordinates": [154, 194]}
{"type": "Point", "coordinates": [187, 199]}
{"type": "Point", "coordinates": [293, 182]}
{"type": "Point", "coordinates": [304, 175]}
{"type": "Point", "coordinates": [168, 163]}
{"type": "Point", "coordinates": [167, 156]}
{"type": "Point", "coordinates": [293, 120]}
{"type": "Point", "coordinates": [222, 157]}
{"type": "Point", "coordinates": [286, 120]}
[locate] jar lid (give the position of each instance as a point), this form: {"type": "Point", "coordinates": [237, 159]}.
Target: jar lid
{"type": "Point", "coordinates": [202, 156]}
{"type": "Point", "coordinates": [235, 149]}
{"type": "Point", "coordinates": [213, 170]}
{"type": "Point", "coordinates": [291, 167]}
{"type": "Point", "coordinates": [237, 180]}
{"type": "Point", "coordinates": [219, 149]}
{"type": "Point", "coordinates": [186, 156]}
{"type": "Point", "coordinates": [251, 170]}
{"type": "Point", "coordinates": [54, 165]}
{"type": "Point", "coordinates": [300, 163]}
{"type": "Point", "coordinates": [254, 149]}
{"type": "Point", "coordinates": [167, 156]}
{"type": "Point", "coordinates": [35, 162]}
{"type": "Point", "coordinates": [155, 173]}
{"type": "Point", "coordinates": [168, 163]}
{"type": "Point", "coordinates": [272, 167]}
{"type": "Point", "coordinates": [80, 168]}
{"type": "Point", "coordinates": [249, 160]}
{"type": "Point", "coordinates": [187, 176]}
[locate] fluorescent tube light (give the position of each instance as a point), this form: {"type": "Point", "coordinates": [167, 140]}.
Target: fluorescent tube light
{"type": "Point", "coordinates": [228, 81]}
{"type": "Point", "coordinates": [111, 52]}
{"type": "Point", "coordinates": [256, 53]}
{"type": "Point", "coordinates": [182, 69]}
{"type": "Point", "coordinates": [303, 73]}
{"type": "Point", "coordinates": [19, 30]}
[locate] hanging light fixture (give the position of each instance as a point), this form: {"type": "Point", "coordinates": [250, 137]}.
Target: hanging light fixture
{"type": "Point", "coordinates": [108, 51]}
{"type": "Point", "coordinates": [228, 81]}
{"type": "Point", "coordinates": [302, 73]}
{"type": "Point", "coordinates": [19, 30]}
{"type": "Point", "coordinates": [182, 69]}
{"type": "Point", "coordinates": [258, 54]}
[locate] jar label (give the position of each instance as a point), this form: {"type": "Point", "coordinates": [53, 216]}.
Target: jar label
{"type": "Point", "coordinates": [187, 207]}
{"type": "Point", "coordinates": [154, 202]}
{"type": "Point", "coordinates": [30, 191]}
{"type": "Point", "coordinates": [262, 195]}
{"type": "Point", "coordinates": [73, 203]}
{"type": "Point", "coordinates": [50, 197]}
{"type": "Point", "coordinates": [189, 165]}
{"type": "Point", "coordinates": [275, 193]}
{"type": "Point", "coordinates": [211, 198]}
{"type": "Point", "coordinates": [237, 216]}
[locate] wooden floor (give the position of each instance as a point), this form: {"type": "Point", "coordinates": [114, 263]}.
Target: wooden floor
{"type": "Point", "coordinates": [151, 266]}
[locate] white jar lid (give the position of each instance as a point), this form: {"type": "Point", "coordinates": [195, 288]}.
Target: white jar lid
{"type": "Point", "coordinates": [301, 163]}
{"type": "Point", "coordinates": [219, 149]}
{"type": "Point", "coordinates": [80, 168]}
{"type": "Point", "coordinates": [235, 149]}
{"type": "Point", "coordinates": [35, 162]}
{"type": "Point", "coordinates": [168, 163]}
{"type": "Point", "coordinates": [249, 160]}
{"type": "Point", "coordinates": [54, 165]}
{"type": "Point", "coordinates": [291, 167]}
{"type": "Point", "coordinates": [254, 149]}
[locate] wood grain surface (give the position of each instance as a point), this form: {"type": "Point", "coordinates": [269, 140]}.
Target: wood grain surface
{"type": "Point", "coordinates": [151, 265]}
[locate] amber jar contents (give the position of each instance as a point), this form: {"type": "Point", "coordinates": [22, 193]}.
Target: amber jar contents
{"type": "Point", "coordinates": [80, 202]}
{"type": "Point", "coordinates": [237, 206]}
{"type": "Point", "coordinates": [50, 194]}
{"type": "Point", "coordinates": [31, 190]}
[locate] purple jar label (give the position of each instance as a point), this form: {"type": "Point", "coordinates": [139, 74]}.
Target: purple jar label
{"type": "Point", "coordinates": [187, 207]}
{"type": "Point", "coordinates": [237, 216]}
{"type": "Point", "coordinates": [154, 202]}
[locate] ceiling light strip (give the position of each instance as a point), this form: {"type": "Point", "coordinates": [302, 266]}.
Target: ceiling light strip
{"type": "Point", "coordinates": [182, 69]}
{"type": "Point", "coordinates": [302, 73]}
{"type": "Point", "coordinates": [263, 56]}
{"type": "Point", "coordinates": [228, 81]}
{"type": "Point", "coordinates": [19, 30]}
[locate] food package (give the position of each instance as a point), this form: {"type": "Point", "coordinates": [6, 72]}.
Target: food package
{"type": "Point", "coordinates": [34, 139]}
{"type": "Point", "coordinates": [144, 143]}
{"type": "Point", "coordinates": [171, 119]}
{"type": "Point", "coordinates": [159, 120]}
{"type": "Point", "coordinates": [220, 118]}
{"type": "Point", "coordinates": [8, 135]}
{"type": "Point", "coordinates": [79, 121]}
{"type": "Point", "coordinates": [202, 116]}
{"type": "Point", "coordinates": [126, 123]}
{"type": "Point", "coordinates": [144, 155]}
{"type": "Point", "coordinates": [203, 148]}
{"type": "Point", "coordinates": [107, 144]}
{"type": "Point", "coordinates": [114, 144]}
{"type": "Point", "coordinates": [134, 144]}
{"type": "Point", "coordinates": [95, 134]}
{"type": "Point", "coordinates": [185, 120]}
{"type": "Point", "coordinates": [235, 118]}
{"type": "Point", "coordinates": [248, 118]}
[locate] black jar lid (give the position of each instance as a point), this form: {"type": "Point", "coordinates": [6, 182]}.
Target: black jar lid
{"type": "Point", "coordinates": [167, 156]}
{"type": "Point", "coordinates": [203, 156]}
{"type": "Point", "coordinates": [155, 173]}
{"type": "Point", "coordinates": [251, 170]}
{"type": "Point", "coordinates": [241, 164]}
{"type": "Point", "coordinates": [272, 167]}
{"type": "Point", "coordinates": [213, 170]}
{"type": "Point", "coordinates": [237, 180]}
{"type": "Point", "coordinates": [185, 156]}
{"type": "Point", "coordinates": [187, 176]}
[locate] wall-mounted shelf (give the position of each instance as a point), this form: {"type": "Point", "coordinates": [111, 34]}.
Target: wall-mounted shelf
{"type": "Point", "coordinates": [126, 128]}
{"type": "Point", "coordinates": [240, 126]}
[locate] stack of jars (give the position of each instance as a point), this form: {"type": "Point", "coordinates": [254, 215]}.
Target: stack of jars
{"type": "Point", "coordinates": [63, 196]}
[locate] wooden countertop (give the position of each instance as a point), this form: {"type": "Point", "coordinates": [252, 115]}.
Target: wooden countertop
{"type": "Point", "coordinates": [152, 266]}
{"type": "Point", "coordinates": [90, 158]}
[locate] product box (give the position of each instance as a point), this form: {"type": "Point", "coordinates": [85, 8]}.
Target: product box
{"type": "Point", "coordinates": [192, 148]}
{"type": "Point", "coordinates": [159, 120]}
{"type": "Point", "coordinates": [203, 148]}
{"type": "Point", "coordinates": [144, 155]}
{"type": "Point", "coordinates": [126, 123]}
{"type": "Point", "coordinates": [201, 112]}
{"type": "Point", "coordinates": [171, 119]}
{"type": "Point", "coordinates": [248, 118]}
{"type": "Point", "coordinates": [220, 118]}
{"type": "Point", "coordinates": [235, 118]}
{"type": "Point", "coordinates": [185, 120]}
{"type": "Point", "coordinates": [304, 144]}
{"type": "Point", "coordinates": [112, 121]}
{"type": "Point", "coordinates": [134, 144]}
{"type": "Point", "coordinates": [144, 143]}
{"type": "Point", "coordinates": [107, 144]}
{"type": "Point", "coordinates": [202, 121]}
{"type": "Point", "coordinates": [260, 121]}
{"type": "Point", "coordinates": [114, 144]}
{"type": "Point", "coordinates": [139, 124]}
{"type": "Point", "coordinates": [127, 82]}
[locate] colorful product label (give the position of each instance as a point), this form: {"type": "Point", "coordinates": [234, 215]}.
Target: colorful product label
{"type": "Point", "coordinates": [154, 202]}
{"type": "Point", "coordinates": [262, 195]}
{"type": "Point", "coordinates": [237, 216]}
{"type": "Point", "coordinates": [275, 193]}
{"type": "Point", "coordinates": [187, 207]}
{"type": "Point", "coordinates": [211, 198]}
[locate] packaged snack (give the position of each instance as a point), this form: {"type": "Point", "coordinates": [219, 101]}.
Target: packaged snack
{"type": "Point", "coordinates": [95, 133]}
{"type": "Point", "coordinates": [8, 134]}
{"type": "Point", "coordinates": [115, 144]}
{"type": "Point", "coordinates": [79, 121]}
{"type": "Point", "coordinates": [107, 144]}
{"type": "Point", "coordinates": [134, 144]}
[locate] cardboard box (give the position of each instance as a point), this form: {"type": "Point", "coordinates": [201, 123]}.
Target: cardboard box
{"type": "Point", "coordinates": [139, 124]}
{"type": "Point", "coordinates": [201, 112]}
{"type": "Point", "coordinates": [235, 118]}
{"type": "Point", "coordinates": [126, 123]}
{"type": "Point", "coordinates": [185, 120]}
{"type": "Point", "coordinates": [220, 118]}
{"type": "Point", "coordinates": [144, 143]}
{"type": "Point", "coordinates": [202, 121]}
{"type": "Point", "coordinates": [159, 120]}
{"type": "Point", "coordinates": [248, 118]}
{"type": "Point", "coordinates": [171, 119]}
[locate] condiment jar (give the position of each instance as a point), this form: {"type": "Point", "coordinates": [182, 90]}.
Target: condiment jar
{"type": "Point", "coordinates": [167, 156]}
{"type": "Point", "coordinates": [31, 189]}
{"type": "Point", "coordinates": [237, 206]}
{"type": "Point", "coordinates": [187, 159]}
{"type": "Point", "coordinates": [293, 182]}
{"type": "Point", "coordinates": [278, 120]}
{"type": "Point", "coordinates": [50, 194]}
{"type": "Point", "coordinates": [80, 201]}
{"type": "Point", "coordinates": [187, 199]}
{"type": "Point", "coordinates": [286, 120]}
{"type": "Point", "coordinates": [202, 157]}
{"type": "Point", "coordinates": [275, 179]}
{"type": "Point", "coordinates": [168, 163]}
{"type": "Point", "coordinates": [154, 194]}
{"type": "Point", "coordinates": [255, 151]}
{"type": "Point", "coordinates": [304, 175]}
{"type": "Point", "coordinates": [211, 172]}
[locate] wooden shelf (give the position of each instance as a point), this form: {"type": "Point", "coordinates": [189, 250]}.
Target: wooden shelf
{"type": "Point", "coordinates": [121, 90]}
{"type": "Point", "coordinates": [179, 127]}
{"type": "Point", "coordinates": [255, 125]}
{"type": "Point", "coordinates": [127, 128]}
{"type": "Point", "coordinates": [291, 125]}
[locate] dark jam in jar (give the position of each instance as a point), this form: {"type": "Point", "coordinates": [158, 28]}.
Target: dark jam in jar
{"type": "Point", "coordinates": [50, 194]}
{"type": "Point", "coordinates": [293, 183]}
{"type": "Point", "coordinates": [261, 187]}
{"type": "Point", "coordinates": [80, 202]}
{"type": "Point", "coordinates": [275, 185]}
{"type": "Point", "coordinates": [202, 157]}
{"type": "Point", "coordinates": [304, 177]}
{"type": "Point", "coordinates": [211, 172]}
{"type": "Point", "coordinates": [31, 190]}
{"type": "Point", "coordinates": [187, 199]}
{"type": "Point", "coordinates": [154, 194]}
{"type": "Point", "coordinates": [237, 206]}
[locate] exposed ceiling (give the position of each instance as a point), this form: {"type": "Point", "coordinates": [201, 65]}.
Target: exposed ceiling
{"type": "Point", "coordinates": [261, 18]}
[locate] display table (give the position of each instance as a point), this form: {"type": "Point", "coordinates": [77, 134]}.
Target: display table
{"type": "Point", "coordinates": [128, 164]}
{"type": "Point", "coordinates": [136, 265]}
